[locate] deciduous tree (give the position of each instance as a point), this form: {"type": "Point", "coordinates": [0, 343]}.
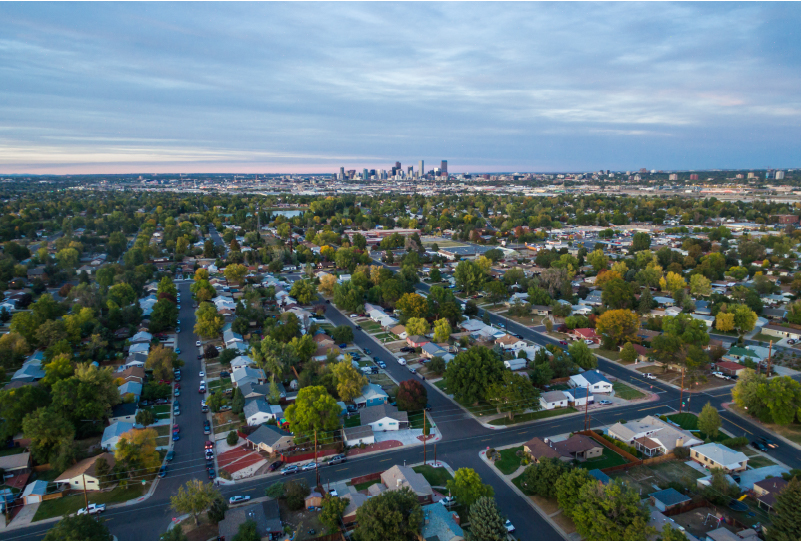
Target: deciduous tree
{"type": "Point", "coordinates": [194, 498]}
{"type": "Point", "coordinates": [136, 450]}
{"type": "Point", "coordinates": [350, 381]}
{"type": "Point", "coordinates": [303, 291]}
{"type": "Point", "coordinates": [709, 421]}
{"type": "Point", "coordinates": [466, 487]}
{"type": "Point", "coordinates": [611, 512]}
{"type": "Point", "coordinates": [541, 477]}
{"type": "Point", "coordinates": [470, 374]}
{"type": "Point", "coordinates": [582, 355]}
{"type": "Point", "coordinates": [78, 528]}
{"type": "Point", "coordinates": [513, 394]}
{"type": "Point", "coordinates": [313, 409]}
{"type": "Point", "coordinates": [395, 515]}
{"type": "Point", "coordinates": [615, 326]}
{"type": "Point", "coordinates": [412, 395]}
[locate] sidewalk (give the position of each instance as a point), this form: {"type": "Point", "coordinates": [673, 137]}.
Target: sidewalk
{"type": "Point", "coordinates": [728, 408]}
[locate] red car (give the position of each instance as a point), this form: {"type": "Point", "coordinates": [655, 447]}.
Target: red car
{"type": "Point", "coordinates": [202, 390]}
{"type": "Point", "coordinates": [209, 444]}
{"type": "Point", "coordinates": [177, 385]}
{"type": "Point", "coordinates": [176, 429]}
{"type": "Point", "coordinates": [562, 343]}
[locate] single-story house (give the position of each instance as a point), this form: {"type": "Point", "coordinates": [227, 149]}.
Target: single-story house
{"type": "Point", "coordinates": [576, 447]}
{"type": "Point", "coordinates": [358, 434]}
{"type": "Point", "coordinates": [246, 374]}
{"type": "Point", "coordinates": [131, 387]}
{"type": "Point", "coordinates": [510, 342]}
{"type": "Point", "coordinates": [258, 411]}
{"type": "Point", "coordinates": [133, 373]}
{"type": "Point", "coordinates": [139, 347]}
{"type": "Point", "coordinates": [141, 337]}
{"type": "Point", "coordinates": [34, 492]}
{"type": "Point", "coordinates": [540, 310]}
{"type": "Point", "coordinates": [592, 379]}
{"type": "Point", "coordinates": [729, 368]}
{"type": "Point", "coordinates": [399, 331]}
{"type": "Point", "coordinates": [440, 523]}
{"type": "Point", "coordinates": [668, 499]}
{"type": "Point", "coordinates": [767, 490]}
{"type": "Point", "coordinates": [354, 502]}
{"type": "Point", "coordinates": [553, 399]}
{"type": "Point", "coordinates": [643, 353]}
{"type": "Point", "coordinates": [722, 534]}
{"type": "Point", "coordinates": [241, 360]}
{"type": "Point", "coordinates": [372, 395]}
{"type": "Point", "coordinates": [271, 439]}
{"type": "Point", "coordinates": [398, 477]}
{"type": "Point", "coordinates": [16, 464]}
{"type": "Point", "coordinates": [112, 433]}
{"type": "Point", "coordinates": [431, 350]}
{"type": "Point", "coordinates": [417, 341]}
{"type": "Point", "coordinates": [652, 436]}
{"type": "Point", "coordinates": [646, 335]}
{"type": "Point", "coordinates": [85, 470]}
{"type": "Point", "coordinates": [715, 455]}
{"type": "Point", "coordinates": [384, 417]}
{"type": "Point", "coordinates": [585, 334]}
{"type": "Point", "coordinates": [266, 515]}
{"type": "Point", "coordinates": [231, 337]}
{"type": "Point", "coordinates": [579, 396]}
{"type": "Point", "coordinates": [123, 412]}
{"type": "Point", "coordinates": [782, 332]}
{"type": "Point", "coordinates": [260, 390]}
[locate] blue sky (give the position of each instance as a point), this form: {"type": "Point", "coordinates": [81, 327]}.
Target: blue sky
{"type": "Point", "coordinates": [294, 87]}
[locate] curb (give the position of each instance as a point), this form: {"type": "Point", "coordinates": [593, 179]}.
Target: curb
{"type": "Point", "coordinates": [728, 408]}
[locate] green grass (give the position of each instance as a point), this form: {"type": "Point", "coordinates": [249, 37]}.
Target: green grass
{"type": "Point", "coordinates": [607, 460]}
{"type": "Point", "coordinates": [353, 420]}
{"type": "Point", "coordinates": [13, 451]}
{"type": "Point", "coordinates": [543, 414]}
{"type": "Point", "coordinates": [760, 461]}
{"type": "Point", "coordinates": [366, 485]}
{"type": "Point", "coordinates": [70, 504]}
{"type": "Point", "coordinates": [518, 482]}
{"type": "Point", "coordinates": [436, 477]}
{"type": "Point", "coordinates": [687, 421]}
{"type": "Point", "coordinates": [370, 326]}
{"type": "Point", "coordinates": [509, 461]}
{"type": "Point", "coordinates": [416, 419]}
{"type": "Point", "coordinates": [609, 354]}
{"type": "Point", "coordinates": [625, 392]}
{"type": "Point", "coordinates": [442, 386]}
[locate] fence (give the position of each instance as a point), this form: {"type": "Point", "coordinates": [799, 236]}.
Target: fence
{"type": "Point", "coordinates": [659, 459]}
{"type": "Point", "coordinates": [306, 456]}
{"type": "Point", "coordinates": [55, 495]}
{"type": "Point", "coordinates": [611, 446]}
{"type": "Point", "coordinates": [43, 467]}
{"type": "Point", "coordinates": [365, 479]}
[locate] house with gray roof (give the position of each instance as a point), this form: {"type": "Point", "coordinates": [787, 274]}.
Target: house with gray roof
{"type": "Point", "coordinates": [668, 499]}
{"type": "Point", "coordinates": [271, 439]}
{"type": "Point", "coordinates": [398, 477]}
{"type": "Point", "coordinates": [131, 387]}
{"type": "Point", "coordinates": [112, 433]}
{"type": "Point", "coordinates": [246, 374]}
{"type": "Point", "coordinates": [384, 417]}
{"type": "Point", "coordinates": [231, 337]}
{"type": "Point", "coordinates": [439, 524]}
{"type": "Point", "coordinates": [553, 399]}
{"type": "Point", "coordinates": [266, 515]}
{"type": "Point", "coordinates": [258, 411]}
{"type": "Point", "coordinates": [28, 373]}
{"type": "Point", "coordinates": [357, 435]}
{"type": "Point", "coordinates": [372, 395]}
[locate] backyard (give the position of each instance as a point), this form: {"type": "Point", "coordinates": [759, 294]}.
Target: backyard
{"type": "Point", "coordinates": [608, 459]}
{"type": "Point", "coordinates": [70, 504]}
{"type": "Point", "coordinates": [436, 477]}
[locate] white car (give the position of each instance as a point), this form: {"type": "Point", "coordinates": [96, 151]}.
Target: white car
{"type": "Point", "coordinates": [354, 316]}
{"type": "Point", "coordinates": [92, 509]}
{"type": "Point", "coordinates": [197, 343]}
{"type": "Point", "coordinates": [448, 501]}
{"type": "Point", "coordinates": [402, 362]}
{"type": "Point", "coordinates": [202, 374]}
{"type": "Point", "coordinates": [649, 376]}
{"type": "Point", "coordinates": [309, 466]}
{"type": "Point", "coordinates": [509, 526]}
{"type": "Point", "coordinates": [589, 342]}
{"type": "Point", "coordinates": [238, 499]}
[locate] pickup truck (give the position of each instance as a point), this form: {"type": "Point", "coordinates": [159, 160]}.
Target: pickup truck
{"type": "Point", "coordinates": [93, 509]}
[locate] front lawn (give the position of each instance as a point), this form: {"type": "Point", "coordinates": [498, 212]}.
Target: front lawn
{"type": "Point", "coordinates": [611, 355]}
{"type": "Point", "coordinates": [352, 420]}
{"type": "Point", "coordinates": [442, 386]}
{"type": "Point", "coordinates": [625, 392]}
{"type": "Point", "coordinates": [70, 504]}
{"type": "Point", "coordinates": [509, 461]}
{"type": "Point", "coordinates": [687, 421]}
{"type": "Point", "coordinates": [436, 477]}
{"type": "Point", "coordinates": [607, 460]}
{"type": "Point", "coordinates": [543, 414]}
{"type": "Point", "coordinates": [518, 482]}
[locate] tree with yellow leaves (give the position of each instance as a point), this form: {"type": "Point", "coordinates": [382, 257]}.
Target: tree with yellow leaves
{"type": "Point", "coordinates": [616, 326]}
{"type": "Point", "coordinates": [724, 322]}
{"type": "Point", "coordinates": [136, 451]}
{"type": "Point", "coordinates": [327, 283]}
{"type": "Point", "coordinates": [672, 282]}
{"type": "Point", "coordinates": [416, 326]}
{"type": "Point", "coordinates": [350, 381]}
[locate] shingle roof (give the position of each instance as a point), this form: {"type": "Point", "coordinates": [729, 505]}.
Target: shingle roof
{"type": "Point", "coordinates": [267, 434]}
{"type": "Point", "coordinates": [670, 496]}
{"type": "Point", "coordinates": [439, 524]}
{"type": "Point", "coordinates": [553, 396]}
{"type": "Point", "coordinates": [116, 430]}
{"type": "Point", "coordinates": [356, 432]}
{"type": "Point", "coordinates": [372, 414]}
{"type": "Point", "coordinates": [86, 466]}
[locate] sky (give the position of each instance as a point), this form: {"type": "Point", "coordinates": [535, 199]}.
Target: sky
{"type": "Point", "coordinates": [309, 87]}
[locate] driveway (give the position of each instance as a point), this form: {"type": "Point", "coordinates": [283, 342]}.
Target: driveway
{"type": "Point", "coordinates": [406, 437]}
{"type": "Point", "coordinates": [24, 516]}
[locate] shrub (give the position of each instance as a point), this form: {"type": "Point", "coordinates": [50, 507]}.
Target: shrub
{"type": "Point", "coordinates": [225, 475]}
{"type": "Point", "coordinates": [742, 441]}
{"type": "Point", "coordinates": [620, 444]}
{"type": "Point", "coordinates": [681, 452]}
{"type": "Point", "coordinates": [232, 438]}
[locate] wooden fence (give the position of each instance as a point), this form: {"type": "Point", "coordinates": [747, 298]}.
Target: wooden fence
{"type": "Point", "coordinates": [611, 446]}
{"type": "Point", "coordinates": [365, 478]}
{"type": "Point", "coordinates": [659, 459]}
{"type": "Point", "coordinates": [55, 495]}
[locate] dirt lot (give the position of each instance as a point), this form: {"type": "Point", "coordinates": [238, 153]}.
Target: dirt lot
{"type": "Point", "coordinates": [648, 478]}
{"type": "Point", "coordinates": [694, 521]}
{"type": "Point", "coordinates": [303, 522]}
{"type": "Point", "coordinates": [674, 377]}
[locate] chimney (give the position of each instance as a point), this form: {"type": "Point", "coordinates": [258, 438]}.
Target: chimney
{"type": "Point", "coordinates": [456, 519]}
{"type": "Point", "coordinates": [398, 483]}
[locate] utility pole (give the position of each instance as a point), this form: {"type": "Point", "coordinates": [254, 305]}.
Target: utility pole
{"type": "Point", "coordinates": [316, 466]}
{"type": "Point", "coordinates": [435, 454]}
{"type": "Point", "coordinates": [587, 409]}
{"type": "Point", "coordinates": [770, 351]}
{"type": "Point", "coordinates": [85, 496]}
{"type": "Point", "coordinates": [424, 437]}
{"type": "Point", "coordinates": [681, 394]}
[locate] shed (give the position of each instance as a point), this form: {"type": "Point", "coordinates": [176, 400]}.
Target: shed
{"type": "Point", "coordinates": [34, 492]}
{"type": "Point", "coordinates": [668, 499]}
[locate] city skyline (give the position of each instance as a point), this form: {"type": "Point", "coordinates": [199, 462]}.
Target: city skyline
{"type": "Point", "coordinates": [279, 88]}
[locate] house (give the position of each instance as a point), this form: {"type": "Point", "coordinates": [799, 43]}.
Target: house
{"type": "Point", "coordinates": [510, 342]}
{"type": "Point", "coordinates": [715, 455]}
{"type": "Point", "coordinates": [738, 355]}
{"type": "Point", "coordinates": [270, 439]}
{"type": "Point", "coordinates": [231, 337]}
{"type": "Point", "coordinates": [729, 368]}
{"type": "Point", "coordinates": [112, 433]}
{"type": "Point", "coordinates": [384, 417]}
{"type": "Point", "coordinates": [592, 379]}
{"type": "Point", "coordinates": [399, 331]}
{"type": "Point", "coordinates": [16, 464]}
{"type": "Point", "coordinates": [34, 492]}
{"type": "Point", "coordinates": [139, 347]}
{"type": "Point", "coordinates": [258, 411]}
{"type": "Point", "coordinates": [540, 310]}
{"type": "Point", "coordinates": [357, 435]}
{"type": "Point", "coordinates": [417, 341]}
{"type": "Point", "coordinates": [258, 390]}
{"type": "Point", "coordinates": [579, 396]}
{"type": "Point", "coordinates": [398, 477]}
{"type": "Point", "coordinates": [323, 340]}
{"type": "Point", "coordinates": [722, 534]}
{"type": "Point", "coordinates": [585, 334]}
{"type": "Point", "coordinates": [652, 436]}
{"type": "Point", "coordinates": [643, 353]}
{"type": "Point", "coordinates": [782, 332]}
{"type": "Point", "coordinates": [85, 471]}
{"type": "Point", "coordinates": [125, 412]}
{"type": "Point", "coordinates": [668, 499]}
{"type": "Point", "coordinates": [133, 373]}
{"type": "Point", "coordinates": [553, 399]}
{"type": "Point", "coordinates": [576, 447]}
{"type": "Point", "coordinates": [646, 336]}
{"type": "Point", "coordinates": [131, 387]}
{"type": "Point", "coordinates": [141, 337]}
{"type": "Point", "coordinates": [440, 523]}
{"type": "Point", "coordinates": [246, 374]}
{"type": "Point", "coordinates": [767, 490]}
{"type": "Point", "coordinates": [431, 350]}
{"type": "Point", "coordinates": [241, 360]}
{"type": "Point", "coordinates": [266, 515]}
{"type": "Point", "coordinates": [372, 395]}
{"type": "Point", "coordinates": [354, 502]}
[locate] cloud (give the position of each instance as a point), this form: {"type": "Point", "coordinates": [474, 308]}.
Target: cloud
{"type": "Point", "coordinates": [505, 85]}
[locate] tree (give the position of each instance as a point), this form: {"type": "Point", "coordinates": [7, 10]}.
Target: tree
{"type": "Point", "coordinates": [437, 365]}
{"type": "Point", "coordinates": [611, 512]}
{"type": "Point", "coordinates": [78, 528]}
{"type": "Point", "coordinates": [640, 241]}
{"type": "Point", "coordinates": [412, 395]}
{"type": "Point", "coordinates": [719, 490]}
{"type": "Point", "coordinates": [709, 421]}
{"type": "Point", "coordinates": [786, 525]}
{"type": "Point", "coordinates": [331, 515]}
{"type": "Point", "coordinates": [145, 417]}
{"type": "Point", "coordinates": [15, 404]}
{"type": "Point", "coordinates": [541, 478]}
{"type": "Point", "coordinates": [208, 323]}
{"type": "Point", "coordinates": [232, 438]}
{"type": "Point", "coordinates": [164, 316]}
{"type": "Point", "coordinates": [724, 321]}
{"type": "Point", "coordinates": [486, 523]}
{"type": "Point", "coordinates": [60, 367]}
{"type": "Point", "coordinates": [194, 497]}
{"type": "Point", "coordinates": [303, 291]}
{"type": "Point", "coordinates": [468, 376]}
{"type": "Point", "coordinates": [442, 330]}
{"type": "Point", "coordinates": [781, 396]}
{"type": "Point", "coordinates": [136, 451]}
{"type": "Point", "coordinates": [395, 515]}
{"type": "Point", "coordinates": [496, 291]}
{"type": "Point", "coordinates": [235, 272]}
{"type": "Point", "coordinates": [700, 285]}
{"type": "Point", "coordinates": [217, 510]}
{"type": "Point", "coordinates": [672, 282]}
{"type": "Point", "coordinates": [435, 275]}
{"type": "Point", "coordinates": [350, 381]}
{"type": "Point", "coordinates": [568, 487]}
{"type": "Point", "coordinates": [295, 493]}
{"type": "Point", "coordinates": [342, 334]}
{"type": "Point", "coordinates": [513, 394]}
{"type": "Point", "coordinates": [314, 409]}
{"type": "Point", "coordinates": [582, 356]}
{"type": "Point", "coordinates": [598, 260]}
{"type": "Point", "coordinates": [416, 326]}
{"type": "Point", "coordinates": [469, 276]}
{"type": "Point", "coordinates": [237, 402]}
{"type": "Point", "coordinates": [615, 326]}
{"type": "Point", "coordinates": [646, 302]}
{"type": "Point", "coordinates": [671, 534]}
{"type": "Point", "coordinates": [327, 283]}
{"type": "Point", "coordinates": [628, 354]}
{"type": "Point", "coordinates": [48, 430]}
{"type": "Point", "coordinates": [161, 361]}
{"type": "Point", "coordinates": [68, 258]}
{"type": "Point", "coordinates": [744, 318]}
{"type": "Point", "coordinates": [412, 305]}
{"type": "Point", "coordinates": [617, 294]}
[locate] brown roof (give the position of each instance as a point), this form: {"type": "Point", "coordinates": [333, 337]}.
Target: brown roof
{"type": "Point", "coordinates": [320, 338]}
{"type": "Point", "coordinates": [507, 339]}
{"type": "Point", "coordinates": [86, 466]}
{"type": "Point", "coordinates": [648, 443]}
{"type": "Point", "coordinates": [134, 371]}
{"type": "Point", "coordinates": [771, 485]}
{"type": "Point", "coordinates": [398, 329]}
{"type": "Point", "coordinates": [576, 444]}
{"type": "Point", "coordinates": [538, 449]}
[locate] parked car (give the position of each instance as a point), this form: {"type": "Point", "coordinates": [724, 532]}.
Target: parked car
{"type": "Point", "coordinates": [605, 402]}
{"type": "Point", "coordinates": [289, 470]}
{"type": "Point", "coordinates": [225, 374]}
{"type": "Point", "coordinates": [178, 330]}
{"type": "Point", "coordinates": [208, 445]}
{"type": "Point", "coordinates": [310, 466]}
{"type": "Point", "coordinates": [770, 443]}
{"type": "Point", "coordinates": [382, 364]}
{"type": "Point", "coordinates": [649, 376]}
{"type": "Point", "coordinates": [177, 377]}
{"type": "Point", "coordinates": [238, 499]}
{"type": "Point", "coordinates": [589, 342]}
{"type": "Point", "coordinates": [176, 428]}
{"type": "Point", "coordinates": [401, 361]}
{"type": "Point", "coordinates": [367, 351]}
{"type": "Point", "coordinates": [354, 316]}
{"type": "Point", "coordinates": [202, 389]}
{"type": "Point", "coordinates": [176, 412]}
{"type": "Point", "coordinates": [407, 349]}
{"type": "Point", "coordinates": [202, 374]}
{"type": "Point", "coordinates": [342, 345]}
{"type": "Point", "coordinates": [92, 509]}
{"type": "Point", "coordinates": [178, 350]}
{"type": "Point", "coordinates": [412, 370]}
{"type": "Point", "coordinates": [275, 465]}
{"type": "Point", "coordinates": [337, 459]}
{"type": "Point", "coordinates": [197, 343]}
{"type": "Point", "coordinates": [207, 429]}
{"type": "Point", "coordinates": [509, 526]}
{"type": "Point", "coordinates": [199, 357]}
{"type": "Point", "coordinates": [351, 408]}
{"type": "Point", "coordinates": [176, 436]}
{"type": "Point", "coordinates": [227, 407]}
{"type": "Point", "coordinates": [204, 408]}
{"type": "Point", "coordinates": [170, 456]}
{"type": "Point", "coordinates": [212, 475]}
{"type": "Point", "coordinates": [448, 501]}
{"type": "Point", "coordinates": [428, 407]}
{"type": "Point", "coordinates": [720, 375]}
{"type": "Point", "coordinates": [177, 392]}
{"type": "Point", "coordinates": [562, 343]}
{"type": "Point", "coordinates": [163, 471]}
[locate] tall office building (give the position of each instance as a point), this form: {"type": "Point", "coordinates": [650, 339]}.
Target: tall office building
{"type": "Point", "coordinates": [341, 173]}
{"type": "Point", "coordinates": [410, 172]}
{"type": "Point", "coordinates": [397, 165]}
{"type": "Point", "coordinates": [422, 171]}
{"type": "Point", "coordinates": [444, 166]}
{"type": "Point", "coordinates": [779, 175]}
{"type": "Point", "coordinates": [365, 176]}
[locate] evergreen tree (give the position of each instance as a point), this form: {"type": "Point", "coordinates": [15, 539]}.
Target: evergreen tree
{"type": "Point", "coordinates": [646, 301]}
{"type": "Point", "coordinates": [787, 524]}
{"type": "Point", "coordinates": [486, 523]}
